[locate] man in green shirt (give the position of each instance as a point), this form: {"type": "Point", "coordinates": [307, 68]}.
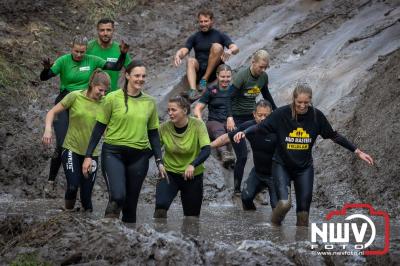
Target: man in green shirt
{"type": "Point", "coordinates": [105, 48]}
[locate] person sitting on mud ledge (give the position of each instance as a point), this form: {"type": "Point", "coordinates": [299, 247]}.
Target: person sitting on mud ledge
{"type": "Point", "coordinates": [208, 44]}
{"type": "Point", "coordinates": [297, 126]}
{"type": "Point", "coordinates": [215, 97]}
{"type": "Point", "coordinates": [263, 148]}
{"type": "Point", "coordinates": [83, 107]}
{"type": "Point", "coordinates": [131, 119]}
{"type": "Point", "coordinates": [75, 70]}
{"type": "Point", "coordinates": [187, 146]}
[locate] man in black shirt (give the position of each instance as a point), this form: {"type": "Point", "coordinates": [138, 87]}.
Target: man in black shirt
{"type": "Point", "coordinates": [208, 45]}
{"type": "Point", "coordinates": [263, 147]}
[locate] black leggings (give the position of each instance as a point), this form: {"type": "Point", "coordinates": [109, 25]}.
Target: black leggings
{"type": "Point", "coordinates": [60, 125]}
{"type": "Point", "coordinates": [191, 193]}
{"type": "Point", "coordinates": [241, 153]}
{"type": "Point", "coordinates": [72, 163]}
{"type": "Point", "coordinates": [303, 184]}
{"type": "Point", "coordinates": [124, 170]}
{"type": "Point", "coordinates": [254, 184]}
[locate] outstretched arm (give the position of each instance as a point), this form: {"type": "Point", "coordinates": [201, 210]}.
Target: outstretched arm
{"type": "Point", "coordinates": [364, 156]}
{"type": "Point", "coordinates": [220, 141]}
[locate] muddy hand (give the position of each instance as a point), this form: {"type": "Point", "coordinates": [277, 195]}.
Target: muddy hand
{"type": "Point", "coordinates": [230, 124]}
{"type": "Point", "coordinates": [124, 47]}
{"type": "Point", "coordinates": [162, 172]}
{"type": "Point", "coordinates": [365, 157]}
{"type": "Point", "coordinates": [189, 172]}
{"type": "Point", "coordinates": [240, 135]}
{"type": "Point", "coordinates": [87, 167]}
{"type": "Point", "coordinates": [47, 137]}
{"type": "Point", "coordinates": [46, 63]}
{"type": "Point", "coordinates": [226, 55]}
{"type": "Point", "coordinates": [177, 60]}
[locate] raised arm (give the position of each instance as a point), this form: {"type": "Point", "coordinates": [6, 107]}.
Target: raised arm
{"type": "Point", "coordinates": [116, 66]}
{"type": "Point", "coordinates": [46, 72]}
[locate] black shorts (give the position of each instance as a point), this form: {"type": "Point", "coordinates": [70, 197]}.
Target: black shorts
{"type": "Point", "coordinates": [202, 71]}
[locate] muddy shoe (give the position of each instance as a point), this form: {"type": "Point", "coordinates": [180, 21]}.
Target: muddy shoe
{"type": "Point", "coordinates": [227, 159]}
{"type": "Point", "coordinates": [202, 85]}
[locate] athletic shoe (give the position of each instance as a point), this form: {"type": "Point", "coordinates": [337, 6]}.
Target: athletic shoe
{"type": "Point", "coordinates": [202, 85]}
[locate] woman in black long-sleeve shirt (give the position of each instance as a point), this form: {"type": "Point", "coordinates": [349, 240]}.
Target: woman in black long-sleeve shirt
{"type": "Point", "coordinates": [297, 126]}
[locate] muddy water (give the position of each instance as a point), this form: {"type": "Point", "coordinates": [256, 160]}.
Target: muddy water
{"type": "Point", "coordinates": [217, 223]}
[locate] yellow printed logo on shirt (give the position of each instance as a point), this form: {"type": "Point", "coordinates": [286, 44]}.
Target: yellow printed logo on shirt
{"type": "Point", "coordinates": [298, 139]}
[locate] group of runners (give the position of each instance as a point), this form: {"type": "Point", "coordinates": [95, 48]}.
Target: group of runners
{"type": "Point", "coordinates": [281, 138]}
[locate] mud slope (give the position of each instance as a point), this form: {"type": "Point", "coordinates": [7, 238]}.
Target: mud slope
{"type": "Point", "coordinates": [31, 31]}
{"type": "Point", "coordinates": [374, 127]}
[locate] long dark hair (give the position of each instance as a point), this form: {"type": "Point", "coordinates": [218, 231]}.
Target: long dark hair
{"type": "Point", "coordinates": [132, 65]}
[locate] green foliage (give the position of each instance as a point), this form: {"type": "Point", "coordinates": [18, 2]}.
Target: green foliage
{"type": "Point", "coordinates": [109, 8]}
{"type": "Point", "coordinates": [29, 259]}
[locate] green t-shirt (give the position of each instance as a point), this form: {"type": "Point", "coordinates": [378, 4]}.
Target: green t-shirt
{"type": "Point", "coordinates": [182, 149]}
{"type": "Point", "coordinates": [128, 128]}
{"type": "Point", "coordinates": [75, 75]}
{"type": "Point", "coordinates": [249, 87]}
{"type": "Point", "coordinates": [82, 118]}
{"type": "Point", "coordinates": [109, 54]}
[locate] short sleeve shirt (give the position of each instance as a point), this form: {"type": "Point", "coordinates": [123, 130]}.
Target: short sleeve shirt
{"type": "Point", "coordinates": [82, 118]}
{"type": "Point", "coordinates": [128, 127]}
{"type": "Point", "coordinates": [75, 75]}
{"type": "Point", "coordinates": [110, 54]}
{"type": "Point", "coordinates": [182, 149]}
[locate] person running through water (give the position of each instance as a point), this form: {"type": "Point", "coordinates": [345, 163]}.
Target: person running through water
{"type": "Point", "coordinates": [216, 97]}
{"type": "Point", "coordinates": [104, 47]}
{"type": "Point", "coordinates": [208, 44]}
{"type": "Point", "coordinates": [75, 70]}
{"type": "Point", "coordinates": [83, 107]}
{"type": "Point", "coordinates": [297, 126]}
{"type": "Point", "coordinates": [131, 119]}
{"type": "Point", "coordinates": [187, 146]}
{"type": "Point", "coordinates": [263, 148]}
{"type": "Point", "coordinates": [247, 85]}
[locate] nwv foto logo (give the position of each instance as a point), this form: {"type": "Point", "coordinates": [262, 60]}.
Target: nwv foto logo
{"type": "Point", "coordinates": [338, 234]}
